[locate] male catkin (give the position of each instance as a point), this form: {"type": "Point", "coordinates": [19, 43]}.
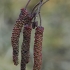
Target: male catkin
{"type": "Point", "coordinates": [38, 48]}
{"type": "Point", "coordinates": [25, 48]}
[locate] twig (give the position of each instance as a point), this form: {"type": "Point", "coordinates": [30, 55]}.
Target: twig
{"type": "Point", "coordinates": [27, 4]}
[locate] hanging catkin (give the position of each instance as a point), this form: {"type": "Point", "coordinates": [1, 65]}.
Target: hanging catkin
{"type": "Point", "coordinates": [15, 44]}
{"type": "Point", "coordinates": [16, 34]}
{"type": "Point", "coordinates": [25, 46]}
{"type": "Point", "coordinates": [38, 48]}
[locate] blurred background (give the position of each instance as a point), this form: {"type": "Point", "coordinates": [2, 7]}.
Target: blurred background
{"type": "Point", "coordinates": [56, 39]}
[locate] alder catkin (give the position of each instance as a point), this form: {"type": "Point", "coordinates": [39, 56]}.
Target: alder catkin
{"type": "Point", "coordinates": [38, 48]}
{"type": "Point", "coordinates": [25, 46]}
{"type": "Point", "coordinates": [15, 44]}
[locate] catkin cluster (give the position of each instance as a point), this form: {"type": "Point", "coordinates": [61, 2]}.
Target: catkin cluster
{"type": "Point", "coordinates": [28, 21]}
{"type": "Point", "coordinates": [25, 19]}
{"type": "Point", "coordinates": [16, 33]}
{"type": "Point", "coordinates": [25, 48]}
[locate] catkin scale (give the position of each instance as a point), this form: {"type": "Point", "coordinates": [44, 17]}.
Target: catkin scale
{"type": "Point", "coordinates": [25, 46]}
{"type": "Point", "coordinates": [38, 48]}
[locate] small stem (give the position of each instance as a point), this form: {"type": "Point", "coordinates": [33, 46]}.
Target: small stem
{"type": "Point", "coordinates": [39, 8]}
{"type": "Point", "coordinates": [38, 12]}
{"type": "Point", "coordinates": [27, 4]}
{"type": "Point", "coordinates": [40, 19]}
{"type": "Point", "coordinates": [35, 7]}
{"type": "Point", "coordinates": [43, 4]}
{"type": "Point", "coordinates": [38, 4]}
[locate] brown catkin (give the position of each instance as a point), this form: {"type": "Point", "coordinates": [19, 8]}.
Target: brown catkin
{"type": "Point", "coordinates": [38, 48]}
{"type": "Point", "coordinates": [25, 46]}
{"type": "Point", "coordinates": [15, 43]}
